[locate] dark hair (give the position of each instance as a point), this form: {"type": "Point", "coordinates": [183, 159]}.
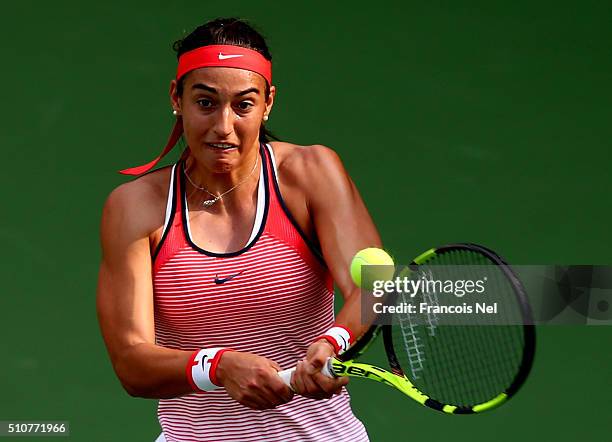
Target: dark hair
{"type": "Point", "coordinates": [226, 31]}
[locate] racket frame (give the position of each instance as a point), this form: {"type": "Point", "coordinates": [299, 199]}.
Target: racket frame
{"type": "Point", "coordinates": [345, 364]}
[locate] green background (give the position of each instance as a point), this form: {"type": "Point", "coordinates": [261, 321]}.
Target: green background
{"type": "Point", "coordinates": [480, 121]}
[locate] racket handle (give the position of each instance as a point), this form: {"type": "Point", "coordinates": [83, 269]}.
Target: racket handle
{"type": "Point", "coordinates": [285, 375]}
{"type": "Point", "coordinates": [327, 370]}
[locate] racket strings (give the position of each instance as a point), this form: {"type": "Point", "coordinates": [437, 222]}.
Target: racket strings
{"type": "Point", "coordinates": [412, 346]}
{"type": "Point", "coordinates": [490, 375]}
{"type": "Point", "coordinates": [509, 337]}
{"type": "Point", "coordinates": [472, 340]}
{"type": "Point", "coordinates": [446, 355]}
{"type": "Point", "coordinates": [456, 363]}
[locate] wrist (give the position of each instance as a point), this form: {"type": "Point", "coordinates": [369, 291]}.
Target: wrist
{"type": "Point", "coordinates": [202, 369]}
{"type": "Point", "coordinates": [225, 361]}
{"type": "Point", "coordinates": [339, 337]}
{"type": "Point", "coordinates": [326, 342]}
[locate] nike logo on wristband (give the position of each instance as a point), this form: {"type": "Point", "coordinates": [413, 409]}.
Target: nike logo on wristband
{"type": "Point", "coordinates": [225, 57]}
{"type": "Point", "coordinates": [228, 278]}
{"type": "Point", "coordinates": [345, 343]}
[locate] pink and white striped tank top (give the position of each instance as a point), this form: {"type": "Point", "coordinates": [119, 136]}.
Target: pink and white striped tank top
{"type": "Point", "coordinates": [272, 298]}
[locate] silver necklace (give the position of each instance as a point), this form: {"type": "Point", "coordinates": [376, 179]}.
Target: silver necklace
{"type": "Point", "coordinates": [210, 202]}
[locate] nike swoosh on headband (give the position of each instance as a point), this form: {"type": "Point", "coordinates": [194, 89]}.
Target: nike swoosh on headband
{"type": "Point", "coordinates": [225, 57]}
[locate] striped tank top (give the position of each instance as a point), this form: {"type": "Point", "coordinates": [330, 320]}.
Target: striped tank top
{"type": "Point", "coordinates": [272, 298]}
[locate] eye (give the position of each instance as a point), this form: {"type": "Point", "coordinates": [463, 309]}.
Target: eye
{"type": "Point", "coordinates": [204, 102]}
{"type": "Point", "coordinates": [245, 105]}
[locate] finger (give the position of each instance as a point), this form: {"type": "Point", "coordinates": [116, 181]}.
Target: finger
{"type": "Point", "coordinates": [343, 383]}
{"type": "Point", "coordinates": [281, 392]}
{"type": "Point", "coordinates": [340, 380]}
{"type": "Point", "coordinates": [289, 395]}
{"type": "Point", "coordinates": [317, 361]}
{"type": "Point", "coordinates": [254, 405]}
{"type": "Point", "coordinates": [315, 364]}
{"type": "Point", "coordinates": [274, 398]}
{"type": "Point", "coordinates": [274, 365]}
{"type": "Point", "coordinates": [257, 401]}
{"type": "Point", "coordinates": [306, 387]}
{"type": "Point", "coordinates": [329, 385]}
{"type": "Point", "coordinates": [318, 358]}
{"type": "Point", "coordinates": [313, 388]}
{"type": "Point", "coordinates": [263, 391]}
{"type": "Point", "coordinates": [298, 378]}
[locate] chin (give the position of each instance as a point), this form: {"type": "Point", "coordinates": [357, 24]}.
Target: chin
{"type": "Point", "coordinates": [214, 162]}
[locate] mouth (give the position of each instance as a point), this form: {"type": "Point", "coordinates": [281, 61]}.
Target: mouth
{"type": "Point", "coordinates": [221, 146]}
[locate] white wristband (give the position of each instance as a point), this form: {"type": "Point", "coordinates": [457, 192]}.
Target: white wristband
{"type": "Point", "coordinates": [340, 336]}
{"type": "Point", "coordinates": [203, 364]}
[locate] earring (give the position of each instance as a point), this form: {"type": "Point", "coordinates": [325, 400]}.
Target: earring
{"type": "Point", "coordinates": [175, 112]}
{"type": "Point", "coordinates": [265, 118]}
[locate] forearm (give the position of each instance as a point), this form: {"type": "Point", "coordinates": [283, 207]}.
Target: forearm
{"type": "Point", "coordinates": [151, 371]}
{"type": "Point", "coordinates": [350, 315]}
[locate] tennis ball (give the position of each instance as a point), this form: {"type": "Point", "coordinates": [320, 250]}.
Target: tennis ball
{"type": "Point", "coordinates": [371, 256]}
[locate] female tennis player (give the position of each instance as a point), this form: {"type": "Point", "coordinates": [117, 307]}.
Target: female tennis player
{"type": "Point", "coordinates": [218, 271]}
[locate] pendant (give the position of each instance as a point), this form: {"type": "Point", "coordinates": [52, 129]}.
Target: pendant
{"type": "Point", "coordinates": [208, 203]}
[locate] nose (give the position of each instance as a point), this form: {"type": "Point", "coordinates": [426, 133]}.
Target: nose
{"type": "Point", "coordinates": [224, 122]}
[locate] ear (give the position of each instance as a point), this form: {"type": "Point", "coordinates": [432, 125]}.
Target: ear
{"type": "Point", "coordinates": [270, 100]}
{"type": "Point", "coordinates": [175, 100]}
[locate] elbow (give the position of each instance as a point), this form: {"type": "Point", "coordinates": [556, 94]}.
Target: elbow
{"type": "Point", "coordinates": [139, 380]}
{"type": "Point", "coordinates": [140, 386]}
{"type": "Point", "coordinates": [146, 391]}
{"type": "Point", "coordinates": [132, 383]}
{"type": "Point", "coordinates": [132, 388]}
{"type": "Point", "coordinates": [139, 390]}
{"type": "Point", "coordinates": [134, 392]}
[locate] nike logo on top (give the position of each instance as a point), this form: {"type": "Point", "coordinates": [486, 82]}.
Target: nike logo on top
{"type": "Point", "coordinates": [225, 57]}
{"type": "Point", "coordinates": [227, 278]}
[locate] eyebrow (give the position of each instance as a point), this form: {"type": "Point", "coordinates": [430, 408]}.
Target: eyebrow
{"type": "Point", "coordinates": [210, 89]}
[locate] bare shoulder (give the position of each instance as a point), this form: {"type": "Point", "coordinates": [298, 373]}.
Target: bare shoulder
{"type": "Point", "coordinates": [296, 163]}
{"type": "Point", "coordinates": [138, 206]}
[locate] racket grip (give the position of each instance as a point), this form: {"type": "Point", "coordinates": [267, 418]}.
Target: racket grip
{"type": "Point", "coordinates": [285, 375]}
{"type": "Point", "coordinates": [327, 370]}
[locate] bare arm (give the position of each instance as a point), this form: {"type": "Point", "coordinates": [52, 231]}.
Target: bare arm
{"type": "Point", "coordinates": [125, 313]}
{"type": "Point", "coordinates": [125, 300]}
{"type": "Point", "coordinates": [343, 227]}
{"type": "Point", "coordinates": [342, 224]}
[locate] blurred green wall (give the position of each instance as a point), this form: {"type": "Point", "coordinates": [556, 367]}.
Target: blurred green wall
{"type": "Point", "coordinates": [479, 121]}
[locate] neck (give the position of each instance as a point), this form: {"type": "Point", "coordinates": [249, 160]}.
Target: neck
{"type": "Point", "coordinates": [237, 180]}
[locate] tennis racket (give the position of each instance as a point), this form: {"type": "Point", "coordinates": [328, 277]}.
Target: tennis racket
{"type": "Point", "coordinates": [455, 368]}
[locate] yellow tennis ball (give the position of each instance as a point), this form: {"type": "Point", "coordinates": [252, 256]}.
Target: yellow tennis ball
{"type": "Point", "coordinates": [371, 256]}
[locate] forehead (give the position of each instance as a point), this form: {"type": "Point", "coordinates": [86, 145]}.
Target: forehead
{"type": "Point", "coordinates": [225, 80]}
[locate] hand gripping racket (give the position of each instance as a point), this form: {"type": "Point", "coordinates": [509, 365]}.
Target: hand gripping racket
{"type": "Point", "coordinates": [460, 368]}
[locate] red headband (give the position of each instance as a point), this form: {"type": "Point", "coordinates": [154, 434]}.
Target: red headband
{"type": "Point", "coordinates": [227, 56]}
